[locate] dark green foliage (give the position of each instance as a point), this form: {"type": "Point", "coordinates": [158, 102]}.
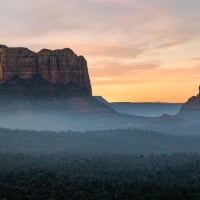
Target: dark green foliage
{"type": "Point", "coordinates": [113, 141]}
{"type": "Point", "coordinates": [103, 165]}
{"type": "Point", "coordinates": [100, 177]}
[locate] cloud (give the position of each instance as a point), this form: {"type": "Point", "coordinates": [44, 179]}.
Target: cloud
{"type": "Point", "coordinates": [112, 50]}
{"type": "Point", "coordinates": [195, 59]}
{"type": "Point", "coordinates": [173, 42]}
{"type": "Point", "coordinates": [117, 69]}
{"type": "Point", "coordinates": [128, 22]}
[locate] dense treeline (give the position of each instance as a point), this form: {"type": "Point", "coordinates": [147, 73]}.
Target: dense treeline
{"type": "Point", "coordinates": [101, 165]}
{"type": "Point", "coordinates": [112, 141]}
{"type": "Point", "coordinates": [100, 177]}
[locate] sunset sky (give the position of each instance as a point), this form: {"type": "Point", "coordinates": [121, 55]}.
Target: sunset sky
{"type": "Point", "coordinates": [137, 50]}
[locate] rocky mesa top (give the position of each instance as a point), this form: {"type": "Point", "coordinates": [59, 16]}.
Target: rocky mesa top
{"type": "Point", "coordinates": [56, 66]}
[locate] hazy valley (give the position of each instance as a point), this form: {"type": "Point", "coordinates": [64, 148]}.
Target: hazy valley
{"type": "Point", "coordinates": [57, 141]}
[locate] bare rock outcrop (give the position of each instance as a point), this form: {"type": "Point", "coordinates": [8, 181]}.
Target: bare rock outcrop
{"type": "Point", "coordinates": [61, 66]}
{"type": "Point", "coordinates": [193, 103]}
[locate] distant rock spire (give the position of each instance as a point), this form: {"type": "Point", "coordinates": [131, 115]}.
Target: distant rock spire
{"type": "Point", "coordinates": [193, 103]}
{"type": "Point", "coordinates": [199, 90]}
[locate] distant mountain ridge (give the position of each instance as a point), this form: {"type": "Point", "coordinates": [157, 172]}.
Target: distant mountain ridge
{"type": "Point", "coordinates": [150, 109]}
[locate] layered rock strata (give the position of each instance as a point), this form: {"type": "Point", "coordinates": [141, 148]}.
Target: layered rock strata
{"type": "Point", "coordinates": [61, 67]}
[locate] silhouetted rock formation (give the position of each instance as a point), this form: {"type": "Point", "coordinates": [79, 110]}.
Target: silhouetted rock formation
{"type": "Point", "coordinates": [48, 71]}
{"type": "Point", "coordinates": [193, 104]}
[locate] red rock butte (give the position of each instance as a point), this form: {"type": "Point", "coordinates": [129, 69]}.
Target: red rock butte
{"type": "Point", "coordinates": [61, 66]}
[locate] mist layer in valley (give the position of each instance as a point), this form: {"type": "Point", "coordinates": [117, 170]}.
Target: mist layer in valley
{"type": "Point", "coordinates": [85, 113]}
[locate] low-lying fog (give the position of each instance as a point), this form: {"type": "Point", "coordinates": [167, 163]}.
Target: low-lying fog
{"type": "Point", "coordinates": [83, 114]}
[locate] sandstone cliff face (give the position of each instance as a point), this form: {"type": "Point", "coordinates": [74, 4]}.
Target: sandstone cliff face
{"type": "Point", "coordinates": [57, 66]}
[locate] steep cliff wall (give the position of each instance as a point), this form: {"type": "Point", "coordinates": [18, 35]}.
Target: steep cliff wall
{"type": "Point", "coordinates": [56, 66]}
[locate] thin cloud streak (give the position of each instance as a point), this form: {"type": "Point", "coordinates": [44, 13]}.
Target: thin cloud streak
{"type": "Point", "coordinates": [117, 69]}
